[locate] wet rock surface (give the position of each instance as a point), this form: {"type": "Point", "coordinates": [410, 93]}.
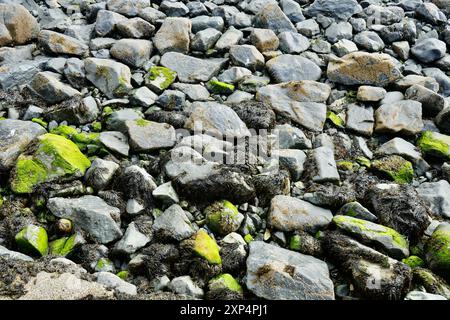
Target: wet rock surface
{"type": "Point", "coordinates": [237, 149]}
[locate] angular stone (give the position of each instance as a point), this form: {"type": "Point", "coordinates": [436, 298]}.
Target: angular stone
{"type": "Point", "coordinates": [17, 25]}
{"type": "Point", "coordinates": [325, 165]}
{"type": "Point", "coordinates": [272, 17]}
{"type": "Point", "coordinates": [404, 117]}
{"type": "Point", "coordinates": [147, 136]}
{"type": "Point", "coordinates": [173, 224]}
{"type": "Point", "coordinates": [115, 141]}
{"type": "Point", "coordinates": [341, 10]}
{"type": "Point", "coordinates": [437, 196]}
{"type": "Point", "coordinates": [247, 56]}
{"type": "Point", "coordinates": [288, 67]}
{"type": "Point", "coordinates": [429, 50]}
{"type": "Point", "coordinates": [58, 43]}
{"type": "Point", "coordinates": [134, 52]}
{"type": "Point", "coordinates": [51, 89]}
{"type": "Point", "coordinates": [173, 35]}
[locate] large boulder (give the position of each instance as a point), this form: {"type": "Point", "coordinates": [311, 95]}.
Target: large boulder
{"type": "Point", "coordinates": [17, 25]}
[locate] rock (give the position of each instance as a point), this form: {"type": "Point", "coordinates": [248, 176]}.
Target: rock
{"type": "Point", "coordinates": [216, 119]}
{"type": "Point", "coordinates": [147, 136]}
{"type": "Point", "coordinates": [107, 21]}
{"type": "Point", "coordinates": [58, 43]}
{"type": "Point", "coordinates": [17, 25]}
{"type": "Point", "coordinates": [224, 287]}
{"type": "Point", "coordinates": [277, 273]}
{"type": "Point", "coordinates": [342, 10]}
{"type": "Point", "coordinates": [420, 295]}
{"type": "Point", "coordinates": [438, 250]}
{"type": "Point", "coordinates": [132, 240]}
{"type": "Point", "coordinates": [288, 67]}
{"type": "Point", "coordinates": [51, 158]}
{"type": "Point", "coordinates": [15, 136]}
{"type": "Point", "coordinates": [291, 42]}
{"type": "Point", "coordinates": [111, 77]}
{"type": "Point", "coordinates": [360, 119]}
{"type": "Point", "coordinates": [32, 240]}
{"type": "Point", "coordinates": [431, 282]}
{"type": "Point", "coordinates": [398, 207]}
{"type": "Point", "coordinates": [190, 69]}
{"type": "Point", "coordinates": [65, 286]}
{"type": "Point", "coordinates": [185, 285]}
{"type": "Point", "coordinates": [8, 254]}
{"type": "Point", "coordinates": [374, 275]}
{"type": "Point", "coordinates": [431, 13]}
{"type": "Point", "coordinates": [49, 88]}
{"type": "Point", "coordinates": [137, 184]}
{"type": "Point", "coordinates": [404, 117]}
{"type": "Point", "coordinates": [436, 196]}
{"type": "Point", "coordinates": [356, 210]}
{"type": "Point", "coordinates": [432, 103]}
{"type": "Point", "coordinates": [292, 160]}
{"type": "Point", "coordinates": [441, 78]}
{"type": "Point", "coordinates": [173, 224]}
{"type": "Point", "coordinates": [256, 115]}
{"type": "Point", "coordinates": [272, 17]}
{"type": "Point", "coordinates": [173, 35]}
{"type": "Point", "coordinates": [100, 174]}
{"type": "Point", "coordinates": [75, 111]}
{"type": "Point", "coordinates": [166, 194]}
{"type": "Point", "coordinates": [369, 40]}
{"type": "Point", "coordinates": [443, 120]}
{"type": "Point", "coordinates": [338, 31]}
{"type": "Point", "coordinates": [115, 141]}
{"type": "Point", "coordinates": [429, 50]}
{"type": "Point", "coordinates": [247, 56]}
{"type": "Point", "coordinates": [434, 144]}
{"type": "Point", "coordinates": [290, 214]}
{"type": "Point", "coordinates": [159, 78]}
{"type": "Point", "coordinates": [223, 217]}
{"type": "Point", "coordinates": [325, 166]}
{"type": "Point", "coordinates": [205, 39]}
{"type": "Point", "coordinates": [361, 68]}
{"type": "Point", "coordinates": [135, 28]}
{"type": "Point", "coordinates": [229, 38]}
{"type": "Point", "coordinates": [128, 8]}
{"type": "Point", "coordinates": [133, 52]}
{"type": "Point", "coordinates": [113, 282]}
{"type": "Point", "coordinates": [300, 101]}
{"type": "Point", "coordinates": [389, 240]}
{"type": "Point", "coordinates": [290, 137]}
{"type": "Point", "coordinates": [394, 168]}
{"type": "Point", "coordinates": [89, 213]}
{"type": "Point", "coordinates": [370, 94]}
{"type": "Point", "coordinates": [264, 39]}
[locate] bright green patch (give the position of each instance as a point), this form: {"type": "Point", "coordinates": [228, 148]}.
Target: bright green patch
{"type": "Point", "coordinates": [65, 131]}
{"type": "Point", "coordinates": [40, 121]}
{"type": "Point", "coordinates": [142, 122]}
{"type": "Point", "coordinates": [32, 240]}
{"type": "Point", "coordinates": [62, 246]}
{"type": "Point", "coordinates": [161, 77]}
{"type": "Point", "coordinates": [97, 126]}
{"type": "Point", "coordinates": [227, 281]}
{"type": "Point", "coordinates": [206, 247]}
{"type": "Point", "coordinates": [345, 165]}
{"type": "Point", "coordinates": [104, 264]}
{"type": "Point", "coordinates": [335, 119]}
{"type": "Point", "coordinates": [438, 249]}
{"type": "Point", "coordinates": [396, 168]}
{"type": "Point", "coordinates": [435, 144]}
{"type": "Point", "coordinates": [363, 161]}
{"type": "Point", "coordinates": [222, 217]}
{"type": "Point", "coordinates": [295, 243]}
{"type": "Point", "coordinates": [248, 238]}
{"type": "Point", "coordinates": [124, 274]}
{"type": "Point", "coordinates": [363, 225]}
{"type": "Point", "coordinates": [28, 173]}
{"type": "Point", "coordinates": [414, 261]}
{"type": "Point", "coordinates": [219, 87]}
{"type": "Point", "coordinates": [107, 111]}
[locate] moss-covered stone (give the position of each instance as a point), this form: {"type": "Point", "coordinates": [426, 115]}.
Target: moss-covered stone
{"type": "Point", "coordinates": [160, 78]}
{"type": "Point", "coordinates": [223, 217]}
{"type": "Point", "coordinates": [40, 121]}
{"type": "Point", "coordinates": [414, 261]}
{"type": "Point", "coordinates": [396, 168]}
{"type": "Point", "coordinates": [124, 275]}
{"type": "Point", "coordinates": [438, 251]}
{"type": "Point", "coordinates": [295, 242]}
{"type": "Point", "coordinates": [434, 144]}
{"type": "Point", "coordinates": [65, 131]}
{"type": "Point", "coordinates": [225, 281]}
{"type": "Point", "coordinates": [345, 165]}
{"type": "Point", "coordinates": [219, 87]}
{"type": "Point", "coordinates": [104, 265]}
{"type": "Point", "coordinates": [335, 119]}
{"type": "Point", "coordinates": [63, 246]}
{"type": "Point", "coordinates": [363, 161]}
{"type": "Point", "coordinates": [54, 157]}
{"type": "Point", "coordinates": [97, 126]}
{"type": "Point", "coordinates": [248, 238]}
{"type": "Point", "coordinates": [32, 240]}
{"type": "Point", "coordinates": [206, 247]}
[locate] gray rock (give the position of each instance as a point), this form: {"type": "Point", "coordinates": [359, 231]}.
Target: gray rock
{"type": "Point", "coordinates": [135, 28]}
{"type": "Point", "coordinates": [280, 274]}
{"type": "Point", "coordinates": [17, 54]}
{"type": "Point", "coordinates": [134, 52]}
{"type": "Point", "coordinates": [116, 120]}
{"type": "Point", "coordinates": [89, 213]}
{"type": "Point", "coordinates": [173, 224]}
{"type": "Point", "coordinates": [264, 39]}
{"type": "Point", "coordinates": [431, 13]}
{"type": "Point", "coordinates": [370, 94]}
{"type": "Point", "coordinates": [195, 92]}
{"type": "Point", "coordinates": [290, 137]}
{"type": "Point", "coordinates": [403, 116]}
{"type": "Point", "coordinates": [111, 281]}
{"type": "Point", "coordinates": [308, 27]}
{"type": "Point", "coordinates": [111, 77]}
{"type": "Point", "coordinates": [229, 38]}
{"type": "Point", "coordinates": [247, 56]}
{"type": "Point", "coordinates": [115, 141]}
{"type": "Point", "coordinates": [166, 194]}
{"type": "Point", "coordinates": [384, 15]}
{"type": "Point", "coordinates": [83, 33]}
{"type": "Point", "coordinates": [184, 285]}
{"type": "Point", "coordinates": [360, 119]}
{"type": "Point", "coordinates": [441, 78]}
{"type": "Point", "coordinates": [290, 214]}
{"type": "Point", "coordinates": [325, 165]}
{"type": "Point", "coordinates": [356, 210]}
{"type": "Point", "coordinates": [443, 120]}
{"type": "Point", "coordinates": [429, 50]}
{"type": "Point", "coordinates": [292, 42]}
{"type": "Point", "coordinates": [51, 89]}
{"type": "Point", "coordinates": [234, 74]}
{"type": "Point", "coordinates": [338, 31]}
{"type": "Point", "coordinates": [143, 97]}
{"type": "Point", "coordinates": [343, 47]}
{"type": "Point", "coordinates": [4, 252]}
{"type": "Point", "coordinates": [173, 35]}
{"type": "Point", "coordinates": [74, 73]}
{"type": "Point", "coordinates": [17, 74]}
{"type": "Point", "coordinates": [432, 103]}
{"type": "Point", "coordinates": [272, 17]}
{"type": "Point", "coordinates": [15, 136]}
{"type": "Point", "coordinates": [190, 69]}
{"type": "Point", "coordinates": [293, 160]}
{"type": "Point", "coordinates": [216, 119]}
{"type": "Point", "coordinates": [341, 10]}
{"type": "Point", "coordinates": [292, 10]}
{"type": "Point", "coordinates": [369, 40]}
{"type": "Point", "coordinates": [100, 174]}
{"type": "Point", "coordinates": [58, 43]}
{"type": "Point", "coordinates": [288, 67]}
{"type": "Point", "coordinates": [437, 196]}
{"type": "Point", "coordinates": [128, 8]}
{"type": "Point", "coordinates": [298, 100]}
{"type": "Point", "coordinates": [203, 22]}
{"type": "Point", "coordinates": [17, 25]}
{"type": "Point", "coordinates": [205, 39]}
{"type": "Point", "coordinates": [174, 9]}
{"type": "Point", "coordinates": [132, 240]}
{"type": "Point", "coordinates": [147, 136]}
{"type": "Point", "coordinates": [420, 295]}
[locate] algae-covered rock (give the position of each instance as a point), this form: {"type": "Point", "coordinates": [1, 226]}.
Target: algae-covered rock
{"type": "Point", "coordinates": [434, 144]}
{"type": "Point", "coordinates": [356, 210]}
{"type": "Point", "coordinates": [104, 265]}
{"type": "Point", "coordinates": [32, 240]}
{"type": "Point", "coordinates": [431, 282]}
{"type": "Point", "coordinates": [224, 287]}
{"type": "Point", "coordinates": [414, 262]}
{"type": "Point", "coordinates": [53, 157]}
{"type": "Point", "coordinates": [223, 217]}
{"type": "Point", "coordinates": [371, 233]}
{"type": "Point", "coordinates": [438, 251]}
{"type": "Point", "coordinates": [395, 168]}
{"type": "Point", "coordinates": [159, 78]}
{"type": "Point", "coordinates": [219, 87]}
{"type": "Point", "coordinates": [206, 247]}
{"type": "Point", "coordinates": [63, 246]}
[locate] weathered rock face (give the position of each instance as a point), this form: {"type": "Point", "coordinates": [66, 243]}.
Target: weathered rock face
{"type": "Point", "coordinates": [343, 10]}
{"type": "Point", "coordinates": [146, 135]}
{"type": "Point", "coordinates": [373, 274]}
{"type": "Point", "coordinates": [174, 35]}
{"type": "Point", "coordinates": [17, 25]}
{"type": "Point", "coordinates": [58, 43]}
{"type": "Point", "coordinates": [360, 68]}
{"type": "Point", "coordinates": [280, 274]}
{"type": "Point", "coordinates": [402, 116]}
{"type": "Point", "coordinates": [288, 67]}
{"type": "Point", "coordinates": [15, 136]}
